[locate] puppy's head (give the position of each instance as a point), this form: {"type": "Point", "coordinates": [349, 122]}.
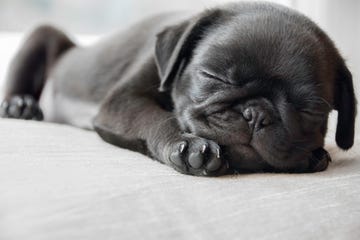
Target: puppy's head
{"type": "Point", "coordinates": [260, 80]}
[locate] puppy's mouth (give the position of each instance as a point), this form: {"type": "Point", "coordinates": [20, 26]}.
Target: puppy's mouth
{"type": "Point", "coordinates": [246, 159]}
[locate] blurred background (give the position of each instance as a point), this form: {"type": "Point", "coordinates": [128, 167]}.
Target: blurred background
{"type": "Point", "coordinates": [339, 18]}
{"type": "Point", "coordinates": [90, 16]}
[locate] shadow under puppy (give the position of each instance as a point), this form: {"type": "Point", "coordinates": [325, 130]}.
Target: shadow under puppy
{"type": "Point", "coordinates": [242, 87]}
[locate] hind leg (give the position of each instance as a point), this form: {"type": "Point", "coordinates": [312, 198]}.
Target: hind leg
{"type": "Point", "coordinates": [29, 70]}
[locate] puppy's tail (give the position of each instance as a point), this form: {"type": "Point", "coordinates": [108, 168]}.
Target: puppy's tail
{"type": "Point", "coordinates": [31, 66]}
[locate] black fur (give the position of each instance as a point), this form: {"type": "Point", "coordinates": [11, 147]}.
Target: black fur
{"type": "Point", "coordinates": [244, 87]}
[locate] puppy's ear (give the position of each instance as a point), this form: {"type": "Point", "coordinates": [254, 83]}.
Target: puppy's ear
{"type": "Point", "coordinates": [345, 104]}
{"type": "Point", "coordinates": [175, 44]}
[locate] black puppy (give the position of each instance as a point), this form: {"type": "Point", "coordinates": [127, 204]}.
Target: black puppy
{"type": "Point", "coordinates": [245, 87]}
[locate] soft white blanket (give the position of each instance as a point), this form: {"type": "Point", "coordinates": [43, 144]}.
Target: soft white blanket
{"type": "Point", "coordinates": [59, 182]}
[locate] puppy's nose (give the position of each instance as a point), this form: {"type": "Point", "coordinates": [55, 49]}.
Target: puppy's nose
{"type": "Point", "coordinates": [257, 117]}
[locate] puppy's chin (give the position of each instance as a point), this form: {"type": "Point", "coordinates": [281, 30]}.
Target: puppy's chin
{"type": "Point", "coordinates": [245, 158]}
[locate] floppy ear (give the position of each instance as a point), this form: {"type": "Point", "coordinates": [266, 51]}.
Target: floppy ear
{"type": "Point", "coordinates": [175, 44]}
{"type": "Point", "coordinates": [345, 104]}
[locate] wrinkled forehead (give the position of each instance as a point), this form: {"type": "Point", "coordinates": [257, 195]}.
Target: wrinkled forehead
{"type": "Point", "coordinates": [258, 51]}
{"type": "Point", "coordinates": [265, 59]}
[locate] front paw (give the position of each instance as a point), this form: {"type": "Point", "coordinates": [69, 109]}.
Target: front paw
{"type": "Point", "coordinates": [319, 160]}
{"type": "Point", "coordinates": [197, 156]}
{"type": "Point", "coordinates": [21, 107]}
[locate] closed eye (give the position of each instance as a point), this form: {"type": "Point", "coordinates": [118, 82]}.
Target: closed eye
{"type": "Point", "coordinates": [313, 115]}
{"type": "Point", "coordinates": [214, 76]}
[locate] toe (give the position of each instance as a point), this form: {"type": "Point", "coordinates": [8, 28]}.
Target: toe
{"type": "Point", "coordinates": [14, 111]}
{"type": "Point", "coordinates": [215, 162]}
{"type": "Point", "coordinates": [176, 157]}
{"type": "Point", "coordinates": [28, 112]}
{"type": "Point", "coordinates": [196, 160]}
{"type": "Point", "coordinates": [4, 108]}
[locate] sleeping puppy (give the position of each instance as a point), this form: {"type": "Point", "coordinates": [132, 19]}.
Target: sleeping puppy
{"type": "Point", "coordinates": [243, 87]}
